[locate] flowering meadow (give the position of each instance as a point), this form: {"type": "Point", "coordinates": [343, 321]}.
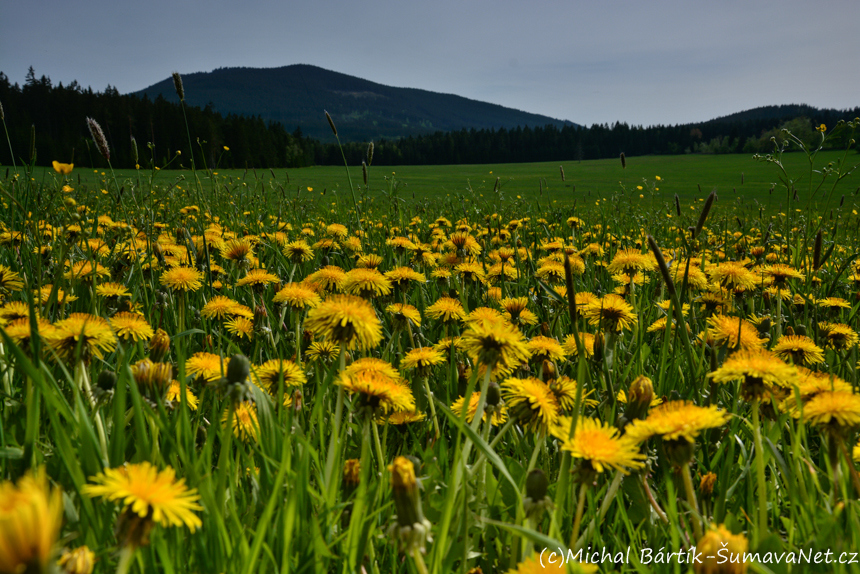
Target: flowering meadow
{"type": "Point", "coordinates": [202, 379]}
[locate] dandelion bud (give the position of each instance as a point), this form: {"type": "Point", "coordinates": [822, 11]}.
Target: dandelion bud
{"type": "Point", "coordinates": [816, 251]}
{"type": "Point", "coordinates": [159, 346]}
{"type": "Point", "coordinates": [151, 376]}
{"type": "Point", "coordinates": [405, 487]}
{"type": "Point", "coordinates": [599, 343]}
{"type": "Point", "coordinates": [177, 84]}
{"type": "Point", "coordinates": [706, 486]}
{"type": "Point", "coordinates": [561, 169]}
{"type": "Point", "coordinates": [639, 398]}
{"type": "Point", "coordinates": [679, 451]}
{"type": "Point", "coordinates": [789, 331]}
{"type": "Point", "coordinates": [494, 394]}
{"type": "Point", "coordinates": [99, 137]}
{"type": "Point", "coordinates": [549, 371]}
{"type": "Point", "coordinates": [718, 542]}
{"type": "Point", "coordinates": [78, 561]}
{"type": "Point", "coordinates": [536, 485]}
{"type": "Point", "coordinates": [364, 172]}
{"type": "Point", "coordinates": [764, 326]}
{"type": "Point", "coordinates": [623, 160]}
{"type": "Point", "coordinates": [238, 370]}
{"type": "Point", "coordinates": [331, 123]}
{"type": "Point", "coordinates": [677, 205]}
{"type": "Point", "coordinates": [370, 153]}
{"type": "Point", "coordinates": [351, 473]}
{"type": "Point", "coordinates": [799, 330]}
{"type": "Point", "coordinates": [106, 380]}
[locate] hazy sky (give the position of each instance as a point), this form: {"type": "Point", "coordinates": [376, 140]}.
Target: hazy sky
{"type": "Point", "coordinates": [659, 61]}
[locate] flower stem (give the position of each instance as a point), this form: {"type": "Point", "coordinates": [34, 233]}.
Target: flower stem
{"type": "Point", "coordinates": [691, 500]}
{"type": "Point", "coordinates": [580, 508]}
{"type": "Point", "coordinates": [762, 486]}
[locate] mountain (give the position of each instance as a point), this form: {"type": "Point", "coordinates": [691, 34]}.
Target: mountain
{"type": "Point", "coordinates": [362, 110]}
{"type": "Point", "coordinates": [780, 113]}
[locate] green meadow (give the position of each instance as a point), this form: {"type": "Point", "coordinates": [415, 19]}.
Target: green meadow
{"type": "Point", "coordinates": [688, 176]}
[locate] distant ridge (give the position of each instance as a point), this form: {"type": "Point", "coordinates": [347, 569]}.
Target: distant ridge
{"type": "Point", "coordinates": [296, 96]}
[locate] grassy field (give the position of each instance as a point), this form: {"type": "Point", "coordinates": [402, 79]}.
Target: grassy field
{"type": "Point", "coordinates": [219, 376]}
{"type": "Point", "coordinates": [739, 175]}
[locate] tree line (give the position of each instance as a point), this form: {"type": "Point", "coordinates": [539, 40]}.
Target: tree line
{"type": "Point", "coordinates": [49, 121]}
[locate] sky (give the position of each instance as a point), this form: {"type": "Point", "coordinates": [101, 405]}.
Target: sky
{"type": "Point", "coordinates": [644, 63]}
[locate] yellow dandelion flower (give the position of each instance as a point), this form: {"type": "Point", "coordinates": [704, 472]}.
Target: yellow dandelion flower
{"type": "Point", "coordinates": [675, 421]}
{"type": "Point", "coordinates": [149, 493]}
{"type": "Point", "coordinates": [93, 334]}
{"type": "Point", "coordinates": [499, 346]}
{"type": "Point", "coordinates": [173, 394]}
{"type": "Point", "coordinates": [207, 366]}
{"type": "Point", "coordinates": [31, 514]}
{"type": "Point", "coordinates": [131, 326]}
{"type": "Point", "coordinates": [244, 421]}
{"type": "Point", "coordinates": [600, 447]}
{"type": "Point", "coordinates": [532, 403]}
{"type": "Point", "coordinates": [499, 415]}
{"type": "Point", "coordinates": [347, 320]}
{"type": "Point", "coordinates": [801, 349]}
{"type": "Point", "coordinates": [182, 279]}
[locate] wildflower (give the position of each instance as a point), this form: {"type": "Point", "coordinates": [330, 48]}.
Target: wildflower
{"type": "Point", "coordinates": [347, 320]}
{"type": "Point", "coordinates": [366, 283]}
{"type": "Point", "coordinates": [411, 528]}
{"type": "Point", "coordinates": [240, 251]}
{"type": "Point", "coordinates": [240, 327]}
{"type": "Point", "coordinates": [63, 168]}
{"type": "Point", "coordinates": [446, 309]}
{"type": "Point", "coordinates": [257, 279]}
{"type": "Point", "coordinates": [182, 279]}
{"type": "Point", "coordinates": [148, 497]}
{"type": "Point", "coordinates": [92, 333]}
{"type": "Point", "coordinates": [298, 251]}
{"type": "Point", "coordinates": [500, 415]}
{"type": "Point", "coordinates": [153, 377]}
{"type": "Point", "coordinates": [131, 326]}
{"type": "Point", "coordinates": [678, 423]}
{"type": "Point", "coordinates": [114, 290]}
{"type": "Point", "coordinates": [173, 394]}
{"type": "Point", "coordinates": [402, 315]}
{"type": "Point", "coordinates": [329, 278]}
{"type": "Point", "coordinates": [219, 307]}
{"type": "Point", "coordinates": [323, 351]}
{"type": "Point", "coordinates": [717, 542]}
{"type": "Point", "coordinates": [270, 373]}
{"type": "Point", "coordinates": [545, 349]}
{"type": "Point", "coordinates": [379, 393]}
{"type": "Point", "coordinates": [838, 336]}
{"type": "Point", "coordinates": [207, 366]}
{"type": "Point", "coordinates": [838, 410]}
{"type": "Point", "coordinates": [10, 281]}
{"type": "Point", "coordinates": [802, 350]}
{"type": "Point", "coordinates": [81, 560]}
{"type": "Point", "coordinates": [422, 359]}
{"type": "Point", "coordinates": [600, 447]}
{"type": "Point", "coordinates": [297, 296]}
{"type": "Point", "coordinates": [532, 403]}
{"type": "Point", "coordinates": [244, 421]}
{"type": "Point", "coordinates": [404, 276]}
{"type": "Point", "coordinates": [534, 565]}
{"type": "Point", "coordinates": [611, 312]}
{"type": "Point", "coordinates": [734, 332]}
{"type": "Point", "coordinates": [501, 347]}
{"type": "Point", "coordinates": [31, 514]}
{"type": "Point", "coordinates": [629, 261]}
{"type": "Point", "coordinates": [759, 370]}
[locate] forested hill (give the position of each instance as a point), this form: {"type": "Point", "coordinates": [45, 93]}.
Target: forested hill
{"type": "Point", "coordinates": [57, 114]}
{"type": "Point", "coordinates": [296, 95]}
